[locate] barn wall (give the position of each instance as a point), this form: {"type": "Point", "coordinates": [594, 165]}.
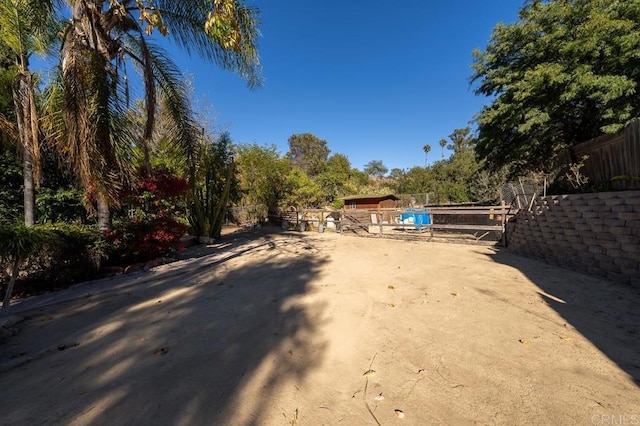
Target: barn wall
{"type": "Point", "coordinates": [369, 203]}
{"type": "Point", "coordinates": [361, 206]}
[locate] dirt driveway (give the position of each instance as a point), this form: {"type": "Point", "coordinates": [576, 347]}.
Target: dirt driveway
{"type": "Point", "coordinates": [312, 329]}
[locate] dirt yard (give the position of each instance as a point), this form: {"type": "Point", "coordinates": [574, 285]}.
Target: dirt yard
{"type": "Point", "coordinates": [310, 329]}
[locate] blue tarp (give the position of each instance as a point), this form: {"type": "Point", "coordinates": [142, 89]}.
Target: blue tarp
{"type": "Point", "coordinates": [420, 216]}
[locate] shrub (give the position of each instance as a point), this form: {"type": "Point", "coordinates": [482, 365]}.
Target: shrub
{"type": "Point", "coordinates": [60, 205]}
{"type": "Point", "coordinates": [48, 256]}
{"type": "Point", "coordinates": [18, 243]}
{"type": "Point", "coordinates": [150, 229]}
{"type": "Point", "coordinates": [161, 194]}
{"type": "Point", "coordinates": [145, 238]}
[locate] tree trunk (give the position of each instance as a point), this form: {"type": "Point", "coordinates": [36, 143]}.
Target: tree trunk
{"type": "Point", "coordinates": [147, 157]}
{"type": "Point", "coordinates": [6, 302]}
{"type": "Point", "coordinates": [29, 192]}
{"type": "Point", "coordinates": [104, 216]}
{"type": "Point", "coordinates": [27, 120]}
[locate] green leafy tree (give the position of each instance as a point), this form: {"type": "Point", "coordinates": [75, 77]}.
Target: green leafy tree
{"type": "Point", "coordinates": [458, 179]}
{"type": "Point", "coordinates": [308, 152]}
{"type": "Point", "coordinates": [263, 178]}
{"type": "Point", "coordinates": [375, 168]}
{"type": "Point", "coordinates": [461, 139]}
{"type": "Point", "coordinates": [416, 180]}
{"type": "Point", "coordinates": [454, 177]}
{"type": "Point", "coordinates": [358, 178]}
{"type": "Point", "coordinates": [565, 72]}
{"type": "Point", "coordinates": [302, 191]}
{"type": "Point", "coordinates": [334, 181]}
{"type": "Point", "coordinates": [397, 173]}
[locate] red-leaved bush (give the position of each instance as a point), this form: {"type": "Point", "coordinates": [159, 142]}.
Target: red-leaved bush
{"type": "Point", "coordinates": [164, 184]}
{"type": "Point", "coordinates": [145, 239]}
{"type": "Point", "coordinates": [152, 231]}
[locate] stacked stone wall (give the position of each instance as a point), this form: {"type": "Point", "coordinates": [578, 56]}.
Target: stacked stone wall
{"type": "Point", "coordinates": [596, 233]}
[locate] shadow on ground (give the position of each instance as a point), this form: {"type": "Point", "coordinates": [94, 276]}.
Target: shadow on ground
{"type": "Point", "coordinates": [180, 350]}
{"type": "Point", "coordinates": [605, 312]}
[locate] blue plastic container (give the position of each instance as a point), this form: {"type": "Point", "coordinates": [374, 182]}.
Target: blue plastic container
{"type": "Point", "coordinates": [420, 216]}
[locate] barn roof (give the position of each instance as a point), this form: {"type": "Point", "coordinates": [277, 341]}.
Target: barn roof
{"type": "Point", "coordinates": [369, 197]}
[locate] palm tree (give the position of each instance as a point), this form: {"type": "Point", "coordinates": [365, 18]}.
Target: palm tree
{"type": "Point", "coordinates": [102, 40]}
{"type": "Point", "coordinates": [26, 27]}
{"type": "Point", "coordinates": [426, 150]}
{"type": "Point", "coordinates": [443, 143]}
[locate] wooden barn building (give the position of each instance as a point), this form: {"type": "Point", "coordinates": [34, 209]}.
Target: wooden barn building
{"type": "Point", "coordinates": [370, 201]}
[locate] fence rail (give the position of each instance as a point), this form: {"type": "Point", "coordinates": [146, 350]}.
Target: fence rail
{"type": "Point", "coordinates": [387, 222]}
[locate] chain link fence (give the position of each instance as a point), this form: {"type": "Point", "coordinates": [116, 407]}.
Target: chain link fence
{"type": "Point", "coordinates": [520, 194]}
{"type": "Point", "coordinates": [413, 200]}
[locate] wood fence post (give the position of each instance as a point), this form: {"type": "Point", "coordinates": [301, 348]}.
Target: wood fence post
{"type": "Point", "coordinates": [504, 224]}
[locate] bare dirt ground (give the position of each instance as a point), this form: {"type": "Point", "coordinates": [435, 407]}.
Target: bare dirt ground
{"type": "Point", "coordinates": [283, 329]}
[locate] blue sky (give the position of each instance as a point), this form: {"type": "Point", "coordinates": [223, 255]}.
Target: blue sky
{"type": "Point", "coordinates": [376, 79]}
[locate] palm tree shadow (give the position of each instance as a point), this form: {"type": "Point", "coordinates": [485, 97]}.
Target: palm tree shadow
{"type": "Point", "coordinates": [604, 312]}
{"type": "Point", "coordinates": [209, 346]}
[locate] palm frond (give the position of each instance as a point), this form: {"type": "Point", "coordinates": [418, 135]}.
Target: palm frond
{"type": "Point", "coordinates": [76, 121]}
{"type": "Point", "coordinates": [98, 137]}
{"type": "Point", "coordinates": [27, 26]}
{"type": "Point", "coordinates": [187, 21]}
{"type": "Point", "coordinates": [52, 122]}
{"type": "Point", "coordinates": [8, 130]}
{"type": "Point", "coordinates": [184, 136]}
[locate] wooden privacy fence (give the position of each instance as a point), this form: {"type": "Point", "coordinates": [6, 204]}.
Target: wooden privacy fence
{"type": "Point", "coordinates": [613, 161]}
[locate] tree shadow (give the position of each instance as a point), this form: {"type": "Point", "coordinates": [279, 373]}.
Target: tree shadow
{"type": "Point", "coordinates": [212, 344]}
{"type": "Point", "coordinates": [603, 311]}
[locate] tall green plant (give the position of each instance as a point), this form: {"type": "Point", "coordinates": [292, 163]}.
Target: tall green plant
{"type": "Point", "coordinates": [216, 185]}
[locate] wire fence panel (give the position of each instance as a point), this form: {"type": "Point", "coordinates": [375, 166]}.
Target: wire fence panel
{"type": "Point", "coordinates": [519, 194]}
{"type": "Point", "coordinates": [413, 200]}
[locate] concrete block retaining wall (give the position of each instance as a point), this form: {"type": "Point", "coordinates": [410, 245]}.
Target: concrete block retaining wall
{"type": "Point", "coordinates": [595, 233]}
